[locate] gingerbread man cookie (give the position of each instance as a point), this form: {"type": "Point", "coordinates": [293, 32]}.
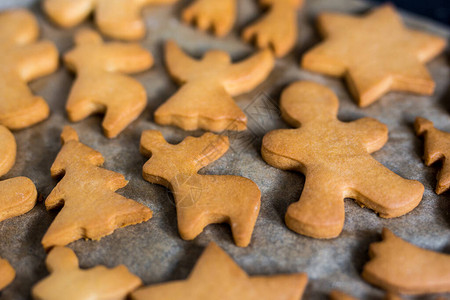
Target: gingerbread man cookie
{"type": "Point", "coordinates": [204, 100]}
{"type": "Point", "coordinates": [216, 276]}
{"type": "Point", "coordinates": [68, 281]}
{"type": "Point", "coordinates": [278, 28]}
{"type": "Point", "coordinates": [206, 14]}
{"type": "Point", "coordinates": [91, 208]}
{"type": "Point", "coordinates": [335, 158]}
{"type": "Point", "coordinates": [120, 19]}
{"type": "Point", "coordinates": [18, 195]}
{"type": "Point", "coordinates": [7, 273]}
{"type": "Point", "coordinates": [201, 199]}
{"type": "Point", "coordinates": [437, 147]}
{"type": "Point", "coordinates": [100, 85]}
{"type": "Point", "coordinates": [22, 59]}
{"type": "Point", "coordinates": [374, 53]}
{"type": "Point", "coordinates": [400, 267]}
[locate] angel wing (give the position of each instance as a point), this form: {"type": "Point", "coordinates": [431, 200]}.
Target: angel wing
{"type": "Point", "coordinates": [246, 75]}
{"type": "Point", "coordinates": [180, 65]}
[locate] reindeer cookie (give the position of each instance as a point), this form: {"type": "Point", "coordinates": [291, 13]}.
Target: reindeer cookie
{"type": "Point", "coordinates": [18, 195]}
{"type": "Point", "coordinates": [335, 158]}
{"type": "Point", "coordinates": [100, 85]}
{"type": "Point", "coordinates": [204, 100]}
{"type": "Point", "coordinates": [7, 274]}
{"type": "Point", "coordinates": [400, 267]}
{"type": "Point", "coordinates": [68, 281]}
{"type": "Point", "coordinates": [437, 147]}
{"type": "Point", "coordinates": [278, 28]}
{"type": "Point", "coordinates": [91, 208]}
{"type": "Point", "coordinates": [206, 14]}
{"type": "Point", "coordinates": [22, 59]}
{"type": "Point", "coordinates": [217, 276]}
{"type": "Point", "coordinates": [201, 199]}
{"type": "Point", "coordinates": [375, 53]}
{"type": "Point", "coordinates": [120, 19]}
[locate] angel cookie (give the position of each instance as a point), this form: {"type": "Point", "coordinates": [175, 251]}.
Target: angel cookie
{"type": "Point", "coordinates": [120, 19]}
{"type": "Point", "coordinates": [68, 281]}
{"type": "Point", "coordinates": [335, 158]}
{"type": "Point", "coordinates": [437, 147]}
{"type": "Point", "coordinates": [278, 28]}
{"type": "Point", "coordinates": [216, 276]}
{"type": "Point", "coordinates": [375, 53]}
{"type": "Point", "coordinates": [204, 99]}
{"type": "Point", "coordinates": [18, 195]}
{"type": "Point", "coordinates": [219, 15]}
{"type": "Point", "coordinates": [201, 199]}
{"type": "Point", "coordinates": [91, 208]}
{"type": "Point", "coordinates": [398, 266]}
{"type": "Point", "coordinates": [22, 59]}
{"type": "Point", "coordinates": [100, 85]}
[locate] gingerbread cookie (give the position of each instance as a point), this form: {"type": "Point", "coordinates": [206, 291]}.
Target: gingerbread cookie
{"type": "Point", "coordinates": [278, 28]}
{"type": "Point", "coordinates": [217, 276]}
{"type": "Point", "coordinates": [206, 14]}
{"type": "Point", "coordinates": [22, 59]}
{"type": "Point", "coordinates": [201, 199]}
{"type": "Point", "coordinates": [68, 281]}
{"type": "Point", "coordinates": [120, 19]}
{"type": "Point", "coordinates": [204, 100]}
{"type": "Point", "coordinates": [18, 195]}
{"type": "Point", "coordinates": [338, 295]}
{"type": "Point", "coordinates": [400, 267]}
{"type": "Point", "coordinates": [91, 208]}
{"type": "Point", "coordinates": [374, 53]}
{"type": "Point", "coordinates": [100, 85]}
{"type": "Point", "coordinates": [7, 273]}
{"type": "Point", "coordinates": [437, 147]}
{"type": "Point", "coordinates": [335, 158]}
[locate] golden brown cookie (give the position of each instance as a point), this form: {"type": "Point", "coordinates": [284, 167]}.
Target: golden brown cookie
{"type": "Point", "coordinates": [91, 208]}
{"type": "Point", "coordinates": [204, 100]}
{"type": "Point", "coordinates": [68, 281]}
{"type": "Point", "coordinates": [22, 59]}
{"type": "Point", "coordinates": [338, 295]}
{"type": "Point", "coordinates": [201, 199]}
{"type": "Point", "coordinates": [216, 276]}
{"type": "Point", "coordinates": [120, 19]}
{"type": "Point", "coordinates": [206, 14]}
{"type": "Point", "coordinates": [101, 87]}
{"type": "Point", "coordinates": [277, 29]}
{"type": "Point", "coordinates": [335, 158]}
{"type": "Point", "coordinates": [400, 267]}
{"type": "Point", "coordinates": [7, 273]}
{"type": "Point", "coordinates": [375, 53]}
{"type": "Point", "coordinates": [437, 147]}
{"type": "Point", "coordinates": [18, 195]}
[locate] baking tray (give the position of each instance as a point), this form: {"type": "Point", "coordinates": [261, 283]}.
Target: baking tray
{"type": "Point", "coordinates": [153, 250]}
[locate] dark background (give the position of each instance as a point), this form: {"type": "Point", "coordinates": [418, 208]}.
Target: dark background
{"type": "Point", "coordinates": [438, 10]}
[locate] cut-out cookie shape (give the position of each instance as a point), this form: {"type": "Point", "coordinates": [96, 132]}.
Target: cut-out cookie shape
{"type": "Point", "coordinates": [68, 281]}
{"type": "Point", "coordinates": [201, 199]}
{"type": "Point", "coordinates": [437, 147]}
{"type": "Point", "coordinates": [375, 53]}
{"type": "Point", "coordinates": [216, 276]}
{"type": "Point", "coordinates": [204, 100]}
{"type": "Point", "coordinates": [100, 85]}
{"type": "Point", "coordinates": [338, 295]}
{"type": "Point", "coordinates": [18, 195]}
{"type": "Point", "coordinates": [120, 19]}
{"type": "Point", "coordinates": [335, 158]}
{"type": "Point", "coordinates": [398, 266]}
{"type": "Point", "coordinates": [91, 208]}
{"type": "Point", "coordinates": [206, 14]}
{"type": "Point", "coordinates": [7, 273]}
{"type": "Point", "coordinates": [22, 59]}
{"type": "Point", "coordinates": [278, 28]}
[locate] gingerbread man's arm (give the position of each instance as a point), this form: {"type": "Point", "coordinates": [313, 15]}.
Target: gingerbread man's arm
{"type": "Point", "coordinates": [36, 60]}
{"type": "Point", "coordinates": [370, 132]}
{"type": "Point", "coordinates": [68, 13]}
{"type": "Point", "coordinates": [126, 58]}
{"type": "Point", "coordinates": [180, 66]}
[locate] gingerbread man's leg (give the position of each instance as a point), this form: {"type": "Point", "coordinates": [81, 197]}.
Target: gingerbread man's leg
{"type": "Point", "coordinates": [320, 211]}
{"type": "Point", "coordinates": [386, 192]}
